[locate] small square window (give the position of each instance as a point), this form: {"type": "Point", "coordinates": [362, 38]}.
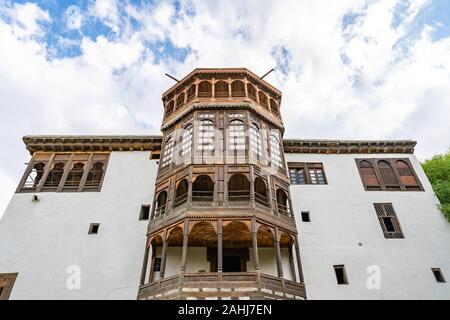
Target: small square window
{"type": "Point", "coordinates": [305, 216]}
{"type": "Point", "coordinates": [438, 275]}
{"type": "Point", "coordinates": [93, 228]}
{"type": "Point", "coordinates": [145, 212]}
{"type": "Point", "coordinates": [157, 264]}
{"type": "Point", "coordinates": [155, 156]}
{"type": "Point", "coordinates": [341, 277]}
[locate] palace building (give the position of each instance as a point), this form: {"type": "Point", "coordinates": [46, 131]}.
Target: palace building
{"type": "Point", "coordinates": [222, 206]}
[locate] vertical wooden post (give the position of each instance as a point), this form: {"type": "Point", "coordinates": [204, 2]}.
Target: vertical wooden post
{"type": "Point", "coordinates": [152, 264]}
{"type": "Point", "coordinates": [185, 246]}
{"type": "Point", "coordinates": [219, 245]}
{"type": "Point", "coordinates": [47, 169]}
{"type": "Point", "coordinates": [252, 187]}
{"type": "Point", "coordinates": [163, 259]}
{"type": "Point", "coordinates": [255, 245]}
{"type": "Point", "coordinates": [278, 253]}
{"type": "Point", "coordinates": [299, 261]}
{"type": "Point", "coordinates": [144, 263]}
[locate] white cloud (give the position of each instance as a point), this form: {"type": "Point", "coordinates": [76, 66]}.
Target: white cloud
{"type": "Point", "coordinates": [74, 17]}
{"type": "Point", "coordinates": [369, 80]}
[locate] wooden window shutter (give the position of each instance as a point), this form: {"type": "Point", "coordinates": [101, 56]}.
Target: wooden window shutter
{"type": "Point", "coordinates": [388, 175]}
{"type": "Point", "coordinates": [368, 175]}
{"type": "Point", "coordinates": [406, 174]}
{"type": "Point", "coordinates": [388, 219]}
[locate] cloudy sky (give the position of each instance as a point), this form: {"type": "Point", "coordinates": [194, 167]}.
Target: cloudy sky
{"type": "Point", "coordinates": [351, 69]}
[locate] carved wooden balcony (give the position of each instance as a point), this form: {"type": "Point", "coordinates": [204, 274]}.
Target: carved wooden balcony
{"type": "Point", "coordinates": [223, 285]}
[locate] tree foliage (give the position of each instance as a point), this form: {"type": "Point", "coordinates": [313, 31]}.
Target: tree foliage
{"type": "Point", "coordinates": [438, 171]}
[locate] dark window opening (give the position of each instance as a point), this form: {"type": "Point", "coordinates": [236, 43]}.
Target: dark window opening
{"type": "Point", "coordinates": [341, 277]}
{"type": "Point", "coordinates": [232, 264]}
{"type": "Point", "coordinates": [157, 264]}
{"type": "Point", "coordinates": [438, 275]}
{"type": "Point", "coordinates": [388, 224]}
{"type": "Point", "coordinates": [155, 156]}
{"type": "Point", "coordinates": [145, 212]}
{"type": "Point", "coordinates": [306, 173]}
{"type": "Point", "coordinates": [93, 228]}
{"type": "Point", "coordinates": [305, 216]}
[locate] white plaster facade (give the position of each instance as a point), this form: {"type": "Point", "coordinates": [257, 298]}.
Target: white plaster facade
{"type": "Point", "coordinates": [344, 229]}
{"type": "Point", "coordinates": [40, 240]}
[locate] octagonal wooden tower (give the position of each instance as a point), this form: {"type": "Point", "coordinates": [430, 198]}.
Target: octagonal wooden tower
{"type": "Point", "coordinates": [222, 224]}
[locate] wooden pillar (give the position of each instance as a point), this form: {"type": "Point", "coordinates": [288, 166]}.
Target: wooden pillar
{"type": "Point", "coordinates": [270, 194]}
{"type": "Point", "coordinates": [291, 262]}
{"type": "Point", "coordinates": [278, 253]}
{"type": "Point", "coordinates": [299, 261]}
{"type": "Point", "coordinates": [67, 169]}
{"type": "Point", "coordinates": [252, 187]}
{"type": "Point", "coordinates": [219, 246]}
{"type": "Point", "coordinates": [189, 196]}
{"type": "Point", "coordinates": [255, 245]}
{"type": "Point", "coordinates": [185, 245]}
{"type": "Point", "coordinates": [47, 169]}
{"type": "Point", "coordinates": [152, 264]}
{"type": "Point", "coordinates": [144, 263]}
{"type": "Point", "coordinates": [163, 259]}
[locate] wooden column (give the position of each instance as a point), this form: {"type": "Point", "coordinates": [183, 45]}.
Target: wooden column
{"type": "Point", "coordinates": [86, 172]}
{"type": "Point", "coordinates": [255, 245]}
{"type": "Point", "coordinates": [185, 246]}
{"type": "Point", "coordinates": [270, 194]}
{"type": "Point", "coordinates": [67, 169]}
{"type": "Point", "coordinates": [47, 169]}
{"type": "Point", "coordinates": [219, 245]}
{"type": "Point", "coordinates": [152, 264]}
{"type": "Point", "coordinates": [252, 187]}
{"type": "Point", "coordinates": [278, 251]}
{"type": "Point", "coordinates": [299, 261]}
{"type": "Point", "coordinates": [189, 195]}
{"type": "Point", "coordinates": [144, 263]}
{"type": "Point", "coordinates": [163, 259]}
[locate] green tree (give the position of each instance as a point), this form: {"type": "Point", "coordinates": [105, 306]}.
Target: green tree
{"type": "Point", "coordinates": [438, 171]}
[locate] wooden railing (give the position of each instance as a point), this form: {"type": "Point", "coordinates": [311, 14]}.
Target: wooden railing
{"type": "Point", "coordinates": [253, 285]}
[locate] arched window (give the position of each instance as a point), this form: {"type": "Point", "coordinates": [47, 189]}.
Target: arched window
{"type": "Point", "coordinates": [407, 177]}
{"type": "Point", "coordinates": [261, 192]}
{"type": "Point", "coordinates": [204, 89]}
{"type": "Point", "coordinates": [369, 176]}
{"type": "Point", "coordinates": [275, 151]}
{"type": "Point", "coordinates": [237, 89]}
{"type": "Point", "coordinates": [168, 151]}
{"type": "Point", "coordinates": [206, 136]}
{"type": "Point", "coordinates": [169, 108]}
{"type": "Point", "coordinates": [74, 177]}
{"type": "Point", "coordinates": [256, 144]}
{"type": "Point", "coordinates": [263, 100]}
{"type": "Point", "coordinates": [161, 202]}
{"type": "Point", "coordinates": [236, 133]}
{"type": "Point", "coordinates": [221, 89]}
{"type": "Point", "coordinates": [181, 193]}
{"type": "Point", "coordinates": [191, 92]}
{"type": "Point", "coordinates": [388, 176]}
{"type": "Point", "coordinates": [282, 202]}
{"type": "Point", "coordinates": [239, 189]}
{"type": "Point", "coordinates": [274, 107]}
{"type": "Point", "coordinates": [251, 91]}
{"type": "Point", "coordinates": [180, 100]}
{"type": "Point", "coordinates": [55, 175]}
{"type": "Point", "coordinates": [186, 140]}
{"type": "Point", "coordinates": [203, 190]}
{"type": "Point", "coordinates": [35, 175]}
{"type": "Point", "coordinates": [95, 175]}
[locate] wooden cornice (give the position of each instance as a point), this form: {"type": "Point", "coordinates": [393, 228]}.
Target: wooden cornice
{"type": "Point", "coordinates": [92, 143]}
{"type": "Point", "coordinates": [348, 146]}
{"type": "Point", "coordinates": [153, 143]}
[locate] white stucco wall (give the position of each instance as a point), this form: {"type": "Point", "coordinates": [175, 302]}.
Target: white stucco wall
{"type": "Point", "coordinates": [40, 240]}
{"type": "Point", "coordinates": [344, 229]}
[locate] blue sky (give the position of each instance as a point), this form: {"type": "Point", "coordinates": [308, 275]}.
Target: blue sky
{"type": "Point", "coordinates": [353, 69]}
